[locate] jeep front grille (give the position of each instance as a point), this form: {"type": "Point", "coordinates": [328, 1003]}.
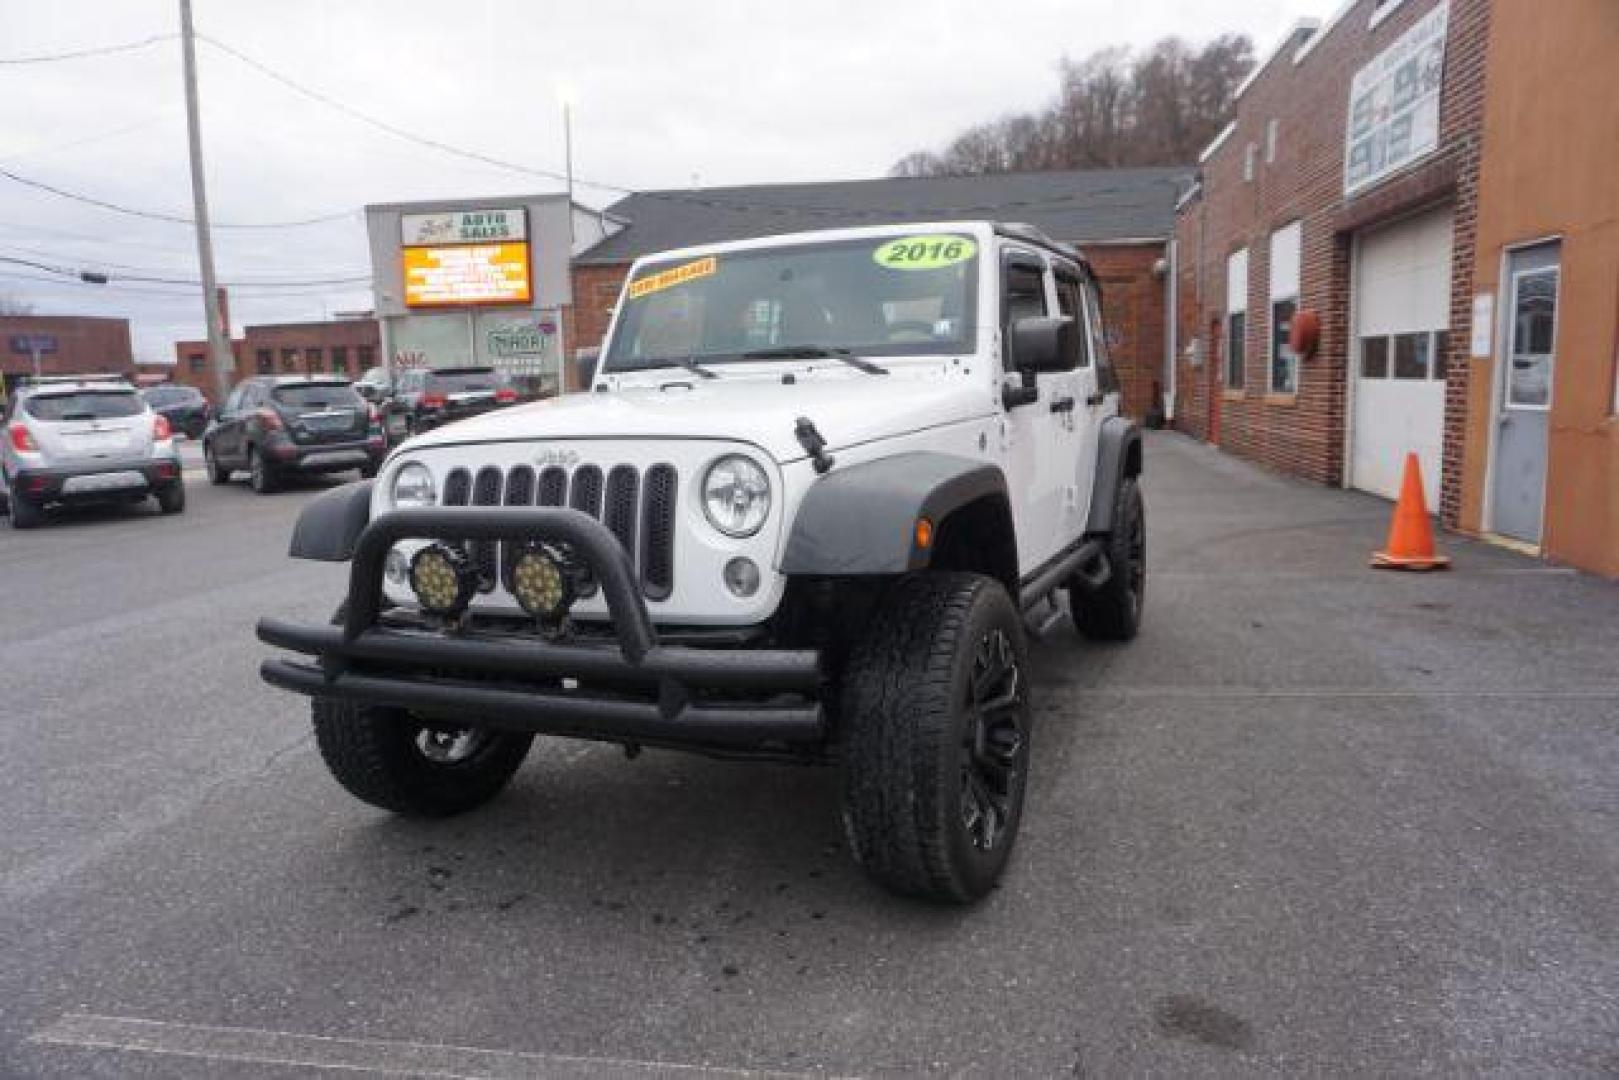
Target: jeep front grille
{"type": "Point", "coordinates": [639, 510]}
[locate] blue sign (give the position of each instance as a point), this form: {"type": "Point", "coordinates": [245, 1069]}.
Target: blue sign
{"type": "Point", "coordinates": [27, 344]}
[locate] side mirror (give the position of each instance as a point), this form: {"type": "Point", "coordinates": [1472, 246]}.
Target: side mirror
{"type": "Point", "coordinates": [586, 360]}
{"type": "Point", "coordinates": [1045, 343]}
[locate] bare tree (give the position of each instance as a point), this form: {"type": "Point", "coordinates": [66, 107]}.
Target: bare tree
{"type": "Point", "coordinates": [1111, 109]}
{"type": "Point", "coordinates": [11, 305]}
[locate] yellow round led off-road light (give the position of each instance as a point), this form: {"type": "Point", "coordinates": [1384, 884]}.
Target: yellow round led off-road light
{"type": "Point", "coordinates": [540, 582]}
{"type": "Point", "coordinates": [443, 579]}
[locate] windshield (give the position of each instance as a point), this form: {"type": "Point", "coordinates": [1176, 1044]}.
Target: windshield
{"type": "Point", "coordinates": [319, 396]}
{"type": "Point", "coordinates": [84, 405]}
{"type": "Point", "coordinates": [876, 296]}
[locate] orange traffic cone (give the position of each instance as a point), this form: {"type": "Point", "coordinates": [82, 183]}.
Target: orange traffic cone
{"type": "Point", "coordinates": [1410, 544]}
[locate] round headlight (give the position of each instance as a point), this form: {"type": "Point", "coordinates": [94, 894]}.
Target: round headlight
{"type": "Point", "coordinates": [413, 487]}
{"type": "Point", "coordinates": [736, 495]}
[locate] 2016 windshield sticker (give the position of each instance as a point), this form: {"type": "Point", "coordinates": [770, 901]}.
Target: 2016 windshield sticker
{"type": "Point", "coordinates": [675, 275]}
{"type": "Point", "coordinates": [925, 252]}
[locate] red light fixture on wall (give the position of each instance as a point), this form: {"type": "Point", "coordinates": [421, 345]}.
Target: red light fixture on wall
{"type": "Point", "coordinates": [1304, 336]}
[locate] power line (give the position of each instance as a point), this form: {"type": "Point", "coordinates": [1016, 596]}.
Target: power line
{"type": "Point", "coordinates": [80, 54]}
{"type": "Point", "coordinates": [347, 275]}
{"type": "Point", "coordinates": [156, 215]}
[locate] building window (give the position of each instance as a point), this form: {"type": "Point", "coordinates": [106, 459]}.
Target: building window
{"type": "Point", "coordinates": [198, 362]}
{"type": "Point", "coordinates": [1411, 356]}
{"type": "Point", "coordinates": [1248, 158]}
{"type": "Point", "coordinates": [340, 359]}
{"type": "Point", "coordinates": [1236, 299]}
{"type": "Point", "coordinates": [264, 361]}
{"type": "Point", "coordinates": [312, 358]}
{"type": "Point", "coordinates": [289, 359]}
{"type": "Point", "coordinates": [364, 354]}
{"type": "Point", "coordinates": [1285, 255]}
{"type": "Point", "coordinates": [1270, 141]}
{"type": "Point", "coordinates": [1382, 9]}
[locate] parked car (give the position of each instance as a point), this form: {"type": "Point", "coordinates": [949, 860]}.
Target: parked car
{"type": "Point", "coordinates": [426, 398]}
{"type": "Point", "coordinates": [184, 407]}
{"type": "Point", "coordinates": [376, 385]}
{"type": "Point", "coordinates": [821, 486]}
{"type": "Point", "coordinates": [85, 438]}
{"type": "Point", "coordinates": [277, 425]}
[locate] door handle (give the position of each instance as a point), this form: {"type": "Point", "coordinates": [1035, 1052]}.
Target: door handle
{"type": "Point", "coordinates": [1063, 405]}
{"type": "Point", "coordinates": [1096, 399]}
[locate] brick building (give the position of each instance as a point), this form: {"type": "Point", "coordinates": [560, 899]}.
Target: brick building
{"type": "Point", "coordinates": [67, 344]}
{"type": "Point", "coordinates": [1122, 218]}
{"type": "Point", "coordinates": [1348, 186]}
{"type": "Point", "coordinates": [334, 347]}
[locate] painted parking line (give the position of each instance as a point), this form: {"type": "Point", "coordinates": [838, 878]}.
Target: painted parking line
{"type": "Point", "coordinates": [260, 1046]}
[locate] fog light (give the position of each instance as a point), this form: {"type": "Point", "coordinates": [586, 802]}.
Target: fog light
{"type": "Point", "coordinates": [742, 576]}
{"type": "Point", "coordinates": [541, 580]}
{"type": "Point", "coordinates": [396, 566]}
{"type": "Point", "coordinates": [443, 579]}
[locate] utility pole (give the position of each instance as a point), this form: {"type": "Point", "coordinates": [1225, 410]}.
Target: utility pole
{"type": "Point", "coordinates": [567, 160]}
{"type": "Point", "coordinates": [218, 348]}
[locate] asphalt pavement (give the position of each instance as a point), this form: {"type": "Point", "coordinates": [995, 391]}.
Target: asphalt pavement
{"type": "Point", "coordinates": [1315, 820]}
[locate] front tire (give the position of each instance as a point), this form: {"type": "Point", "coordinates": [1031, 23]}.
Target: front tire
{"type": "Point", "coordinates": [392, 760]}
{"type": "Point", "coordinates": [937, 722]}
{"type": "Point", "coordinates": [1113, 612]}
{"type": "Point", "coordinates": [217, 473]}
{"type": "Point", "coordinates": [261, 474]}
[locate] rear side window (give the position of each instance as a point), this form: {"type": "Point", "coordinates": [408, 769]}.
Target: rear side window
{"type": "Point", "coordinates": [84, 405]}
{"type": "Point", "coordinates": [318, 396]}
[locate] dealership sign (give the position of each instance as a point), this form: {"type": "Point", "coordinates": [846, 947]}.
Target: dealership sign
{"type": "Point", "coordinates": [467, 274]}
{"type": "Point", "coordinates": [1394, 104]}
{"type": "Point", "coordinates": [463, 227]}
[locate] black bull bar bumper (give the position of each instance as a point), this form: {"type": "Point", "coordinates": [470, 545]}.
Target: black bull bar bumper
{"type": "Point", "coordinates": [628, 689]}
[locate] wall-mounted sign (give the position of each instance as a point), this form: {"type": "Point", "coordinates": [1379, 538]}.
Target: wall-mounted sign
{"type": "Point", "coordinates": [31, 343]}
{"type": "Point", "coordinates": [467, 274]}
{"type": "Point", "coordinates": [463, 227]}
{"type": "Point", "coordinates": [1394, 104]}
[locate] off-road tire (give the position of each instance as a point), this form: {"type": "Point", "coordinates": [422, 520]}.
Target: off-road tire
{"type": "Point", "coordinates": [1113, 612]}
{"type": "Point", "coordinates": [261, 474]}
{"type": "Point", "coordinates": [172, 500]}
{"type": "Point", "coordinates": [907, 725]}
{"type": "Point", "coordinates": [372, 752]}
{"type": "Point", "coordinates": [25, 514]}
{"type": "Point", "coordinates": [217, 472]}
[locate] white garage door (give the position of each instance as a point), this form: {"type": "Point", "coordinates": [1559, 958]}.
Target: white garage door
{"type": "Point", "coordinates": [1402, 313]}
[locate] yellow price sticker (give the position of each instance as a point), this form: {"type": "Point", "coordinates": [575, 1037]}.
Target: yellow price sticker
{"type": "Point", "coordinates": [675, 275]}
{"type": "Point", "coordinates": [932, 252]}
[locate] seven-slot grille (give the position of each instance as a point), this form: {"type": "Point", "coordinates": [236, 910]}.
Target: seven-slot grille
{"type": "Point", "coordinates": [638, 508]}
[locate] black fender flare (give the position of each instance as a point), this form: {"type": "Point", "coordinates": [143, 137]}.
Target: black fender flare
{"type": "Point", "coordinates": [861, 520]}
{"type": "Point", "coordinates": [330, 525]}
{"type": "Point", "coordinates": [1118, 456]}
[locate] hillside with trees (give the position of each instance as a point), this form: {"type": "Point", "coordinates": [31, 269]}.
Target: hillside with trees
{"type": "Point", "coordinates": [1114, 108]}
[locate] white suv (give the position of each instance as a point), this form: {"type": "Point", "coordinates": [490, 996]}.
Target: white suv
{"type": "Point", "coordinates": [819, 487]}
{"type": "Point", "coordinates": [85, 438]}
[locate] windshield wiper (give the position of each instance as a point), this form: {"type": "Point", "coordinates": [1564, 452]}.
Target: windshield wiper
{"type": "Point", "coordinates": [686, 362]}
{"type": "Point", "coordinates": [816, 352]}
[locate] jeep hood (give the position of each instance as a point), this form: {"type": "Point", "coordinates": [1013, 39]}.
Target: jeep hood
{"type": "Point", "coordinates": [847, 409]}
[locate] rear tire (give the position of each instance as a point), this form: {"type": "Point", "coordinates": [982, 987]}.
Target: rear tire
{"type": "Point", "coordinates": [261, 474]}
{"type": "Point", "coordinates": [1113, 612]}
{"type": "Point", "coordinates": [217, 472]}
{"type": "Point", "coordinates": [172, 500]}
{"type": "Point", "coordinates": [24, 514]}
{"type": "Point", "coordinates": [936, 719]}
{"type": "Point", "coordinates": [392, 760]}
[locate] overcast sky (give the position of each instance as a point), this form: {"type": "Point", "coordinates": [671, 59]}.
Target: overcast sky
{"type": "Point", "coordinates": [665, 95]}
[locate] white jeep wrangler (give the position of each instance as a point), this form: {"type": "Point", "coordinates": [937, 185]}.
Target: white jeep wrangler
{"type": "Point", "coordinates": [820, 485]}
